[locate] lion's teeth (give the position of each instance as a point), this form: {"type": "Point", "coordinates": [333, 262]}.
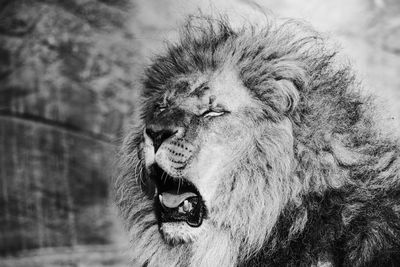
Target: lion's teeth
{"type": "Point", "coordinates": [160, 198]}
{"type": "Point", "coordinates": [155, 192]}
{"type": "Point", "coordinates": [186, 206]}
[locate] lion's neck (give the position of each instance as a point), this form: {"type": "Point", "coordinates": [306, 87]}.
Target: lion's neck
{"type": "Point", "coordinates": [216, 249]}
{"type": "Point", "coordinates": [213, 248]}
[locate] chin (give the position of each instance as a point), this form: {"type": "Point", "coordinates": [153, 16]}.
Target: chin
{"type": "Point", "coordinates": [180, 232]}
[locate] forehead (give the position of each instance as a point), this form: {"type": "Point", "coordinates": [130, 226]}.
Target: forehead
{"type": "Point", "coordinates": [223, 88]}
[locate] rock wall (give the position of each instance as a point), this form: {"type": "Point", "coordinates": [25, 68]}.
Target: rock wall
{"type": "Point", "coordinates": [66, 87]}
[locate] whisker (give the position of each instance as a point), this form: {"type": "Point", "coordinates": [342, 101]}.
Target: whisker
{"type": "Point", "coordinates": [164, 176]}
{"type": "Point", "coordinates": [141, 173]}
{"type": "Point", "coordinates": [179, 184]}
{"type": "Point", "coordinates": [138, 176]}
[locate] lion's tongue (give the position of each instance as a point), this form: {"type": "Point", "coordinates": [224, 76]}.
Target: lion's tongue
{"type": "Point", "coordinates": [171, 200]}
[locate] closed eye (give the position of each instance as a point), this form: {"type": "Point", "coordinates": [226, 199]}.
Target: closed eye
{"type": "Point", "coordinates": [213, 113]}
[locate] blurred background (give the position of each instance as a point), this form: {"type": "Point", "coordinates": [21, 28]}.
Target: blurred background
{"type": "Point", "coordinates": [68, 89]}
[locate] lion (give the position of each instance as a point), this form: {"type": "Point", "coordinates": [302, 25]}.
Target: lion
{"type": "Point", "coordinates": [255, 147]}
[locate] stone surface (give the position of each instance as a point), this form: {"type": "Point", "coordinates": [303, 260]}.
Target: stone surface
{"type": "Point", "coordinates": [66, 89]}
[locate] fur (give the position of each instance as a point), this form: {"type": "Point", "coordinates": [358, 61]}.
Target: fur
{"type": "Point", "coordinates": [331, 196]}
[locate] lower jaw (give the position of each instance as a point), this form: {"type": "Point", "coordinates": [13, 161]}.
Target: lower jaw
{"type": "Point", "coordinates": [174, 216]}
{"type": "Point", "coordinates": [179, 232]}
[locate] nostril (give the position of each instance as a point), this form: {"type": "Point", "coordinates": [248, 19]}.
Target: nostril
{"type": "Point", "coordinates": [151, 133]}
{"type": "Point", "coordinates": [158, 137]}
{"type": "Point", "coordinates": [164, 135]}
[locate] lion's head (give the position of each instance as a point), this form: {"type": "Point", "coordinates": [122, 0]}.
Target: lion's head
{"type": "Point", "coordinates": [211, 164]}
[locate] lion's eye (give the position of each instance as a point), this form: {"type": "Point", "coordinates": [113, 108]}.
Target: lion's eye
{"type": "Point", "coordinates": [213, 113]}
{"type": "Point", "coordinates": [162, 107]}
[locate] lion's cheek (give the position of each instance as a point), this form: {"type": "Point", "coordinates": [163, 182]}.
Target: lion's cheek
{"type": "Point", "coordinates": [207, 169]}
{"type": "Point", "coordinates": [168, 164]}
{"type": "Point", "coordinates": [174, 157]}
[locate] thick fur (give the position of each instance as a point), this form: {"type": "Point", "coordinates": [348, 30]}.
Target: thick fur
{"type": "Point", "coordinates": [332, 196]}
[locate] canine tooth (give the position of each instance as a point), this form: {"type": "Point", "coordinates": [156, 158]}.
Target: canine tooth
{"type": "Point", "coordinates": [186, 206]}
{"type": "Point", "coordinates": [160, 198]}
{"type": "Point", "coordinates": [180, 210]}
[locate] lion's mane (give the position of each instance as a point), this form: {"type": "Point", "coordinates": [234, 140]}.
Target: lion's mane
{"type": "Point", "coordinates": [335, 198]}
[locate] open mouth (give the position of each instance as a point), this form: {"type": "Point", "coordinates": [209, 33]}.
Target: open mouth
{"type": "Point", "coordinates": [177, 199]}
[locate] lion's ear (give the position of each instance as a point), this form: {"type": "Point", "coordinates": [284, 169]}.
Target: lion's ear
{"type": "Point", "coordinates": [288, 96]}
{"type": "Point", "coordinates": [291, 78]}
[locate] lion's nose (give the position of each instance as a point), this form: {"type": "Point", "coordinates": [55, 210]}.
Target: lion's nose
{"type": "Point", "coordinates": [158, 136]}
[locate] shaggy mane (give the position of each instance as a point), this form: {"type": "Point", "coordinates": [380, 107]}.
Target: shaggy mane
{"type": "Point", "coordinates": [341, 201]}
